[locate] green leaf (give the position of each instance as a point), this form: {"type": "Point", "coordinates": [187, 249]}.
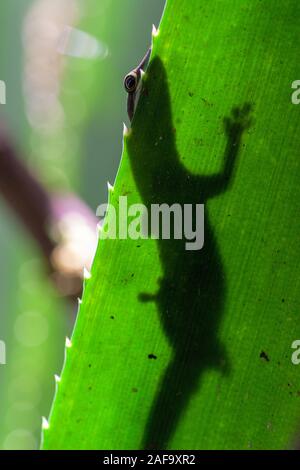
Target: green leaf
{"type": "Point", "coordinates": [192, 349]}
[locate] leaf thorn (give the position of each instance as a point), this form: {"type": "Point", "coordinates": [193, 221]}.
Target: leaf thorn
{"type": "Point", "coordinates": [57, 378]}
{"type": "Point", "coordinates": [125, 130]}
{"type": "Point", "coordinates": [86, 274]}
{"type": "Point", "coordinates": [109, 186]}
{"type": "Point", "coordinates": [155, 31]}
{"type": "Point", "coordinates": [45, 423]}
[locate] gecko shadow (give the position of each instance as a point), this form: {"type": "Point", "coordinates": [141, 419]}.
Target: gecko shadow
{"type": "Point", "coordinates": [191, 293]}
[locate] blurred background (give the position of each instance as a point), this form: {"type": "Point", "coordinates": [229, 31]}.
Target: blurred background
{"type": "Point", "coordinates": [63, 63]}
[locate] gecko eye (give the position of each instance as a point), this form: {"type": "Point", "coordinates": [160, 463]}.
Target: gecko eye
{"type": "Point", "coordinates": [130, 82]}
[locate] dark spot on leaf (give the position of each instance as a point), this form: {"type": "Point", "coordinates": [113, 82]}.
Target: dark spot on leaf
{"type": "Point", "coordinates": [152, 356]}
{"type": "Point", "coordinates": [198, 141]}
{"type": "Point", "coordinates": [264, 356]}
{"type": "Point", "coordinates": [207, 103]}
{"type": "Point", "coordinates": [134, 390]}
{"type": "Point", "coordinates": [191, 94]}
{"type": "Point", "coordinates": [112, 317]}
{"type": "Point", "coordinates": [138, 246]}
{"type": "Point", "coordinates": [282, 300]}
{"type": "Point", "coordinates": [90, 365]}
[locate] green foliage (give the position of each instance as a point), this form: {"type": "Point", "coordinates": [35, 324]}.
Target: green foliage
{"type": "Point", "coordinates": [177, 349]}
{"type": "Point", "coordinates": [65, 159]}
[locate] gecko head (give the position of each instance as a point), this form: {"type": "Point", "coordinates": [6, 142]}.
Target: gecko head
{"type": "Point", "coordinates": [131, 81]}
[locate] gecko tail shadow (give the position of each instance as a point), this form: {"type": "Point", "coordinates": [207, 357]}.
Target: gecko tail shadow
{"type": "Point", "coordinates": [180, 380]}
{"type": "Point", "coordinates": [179, 383]}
